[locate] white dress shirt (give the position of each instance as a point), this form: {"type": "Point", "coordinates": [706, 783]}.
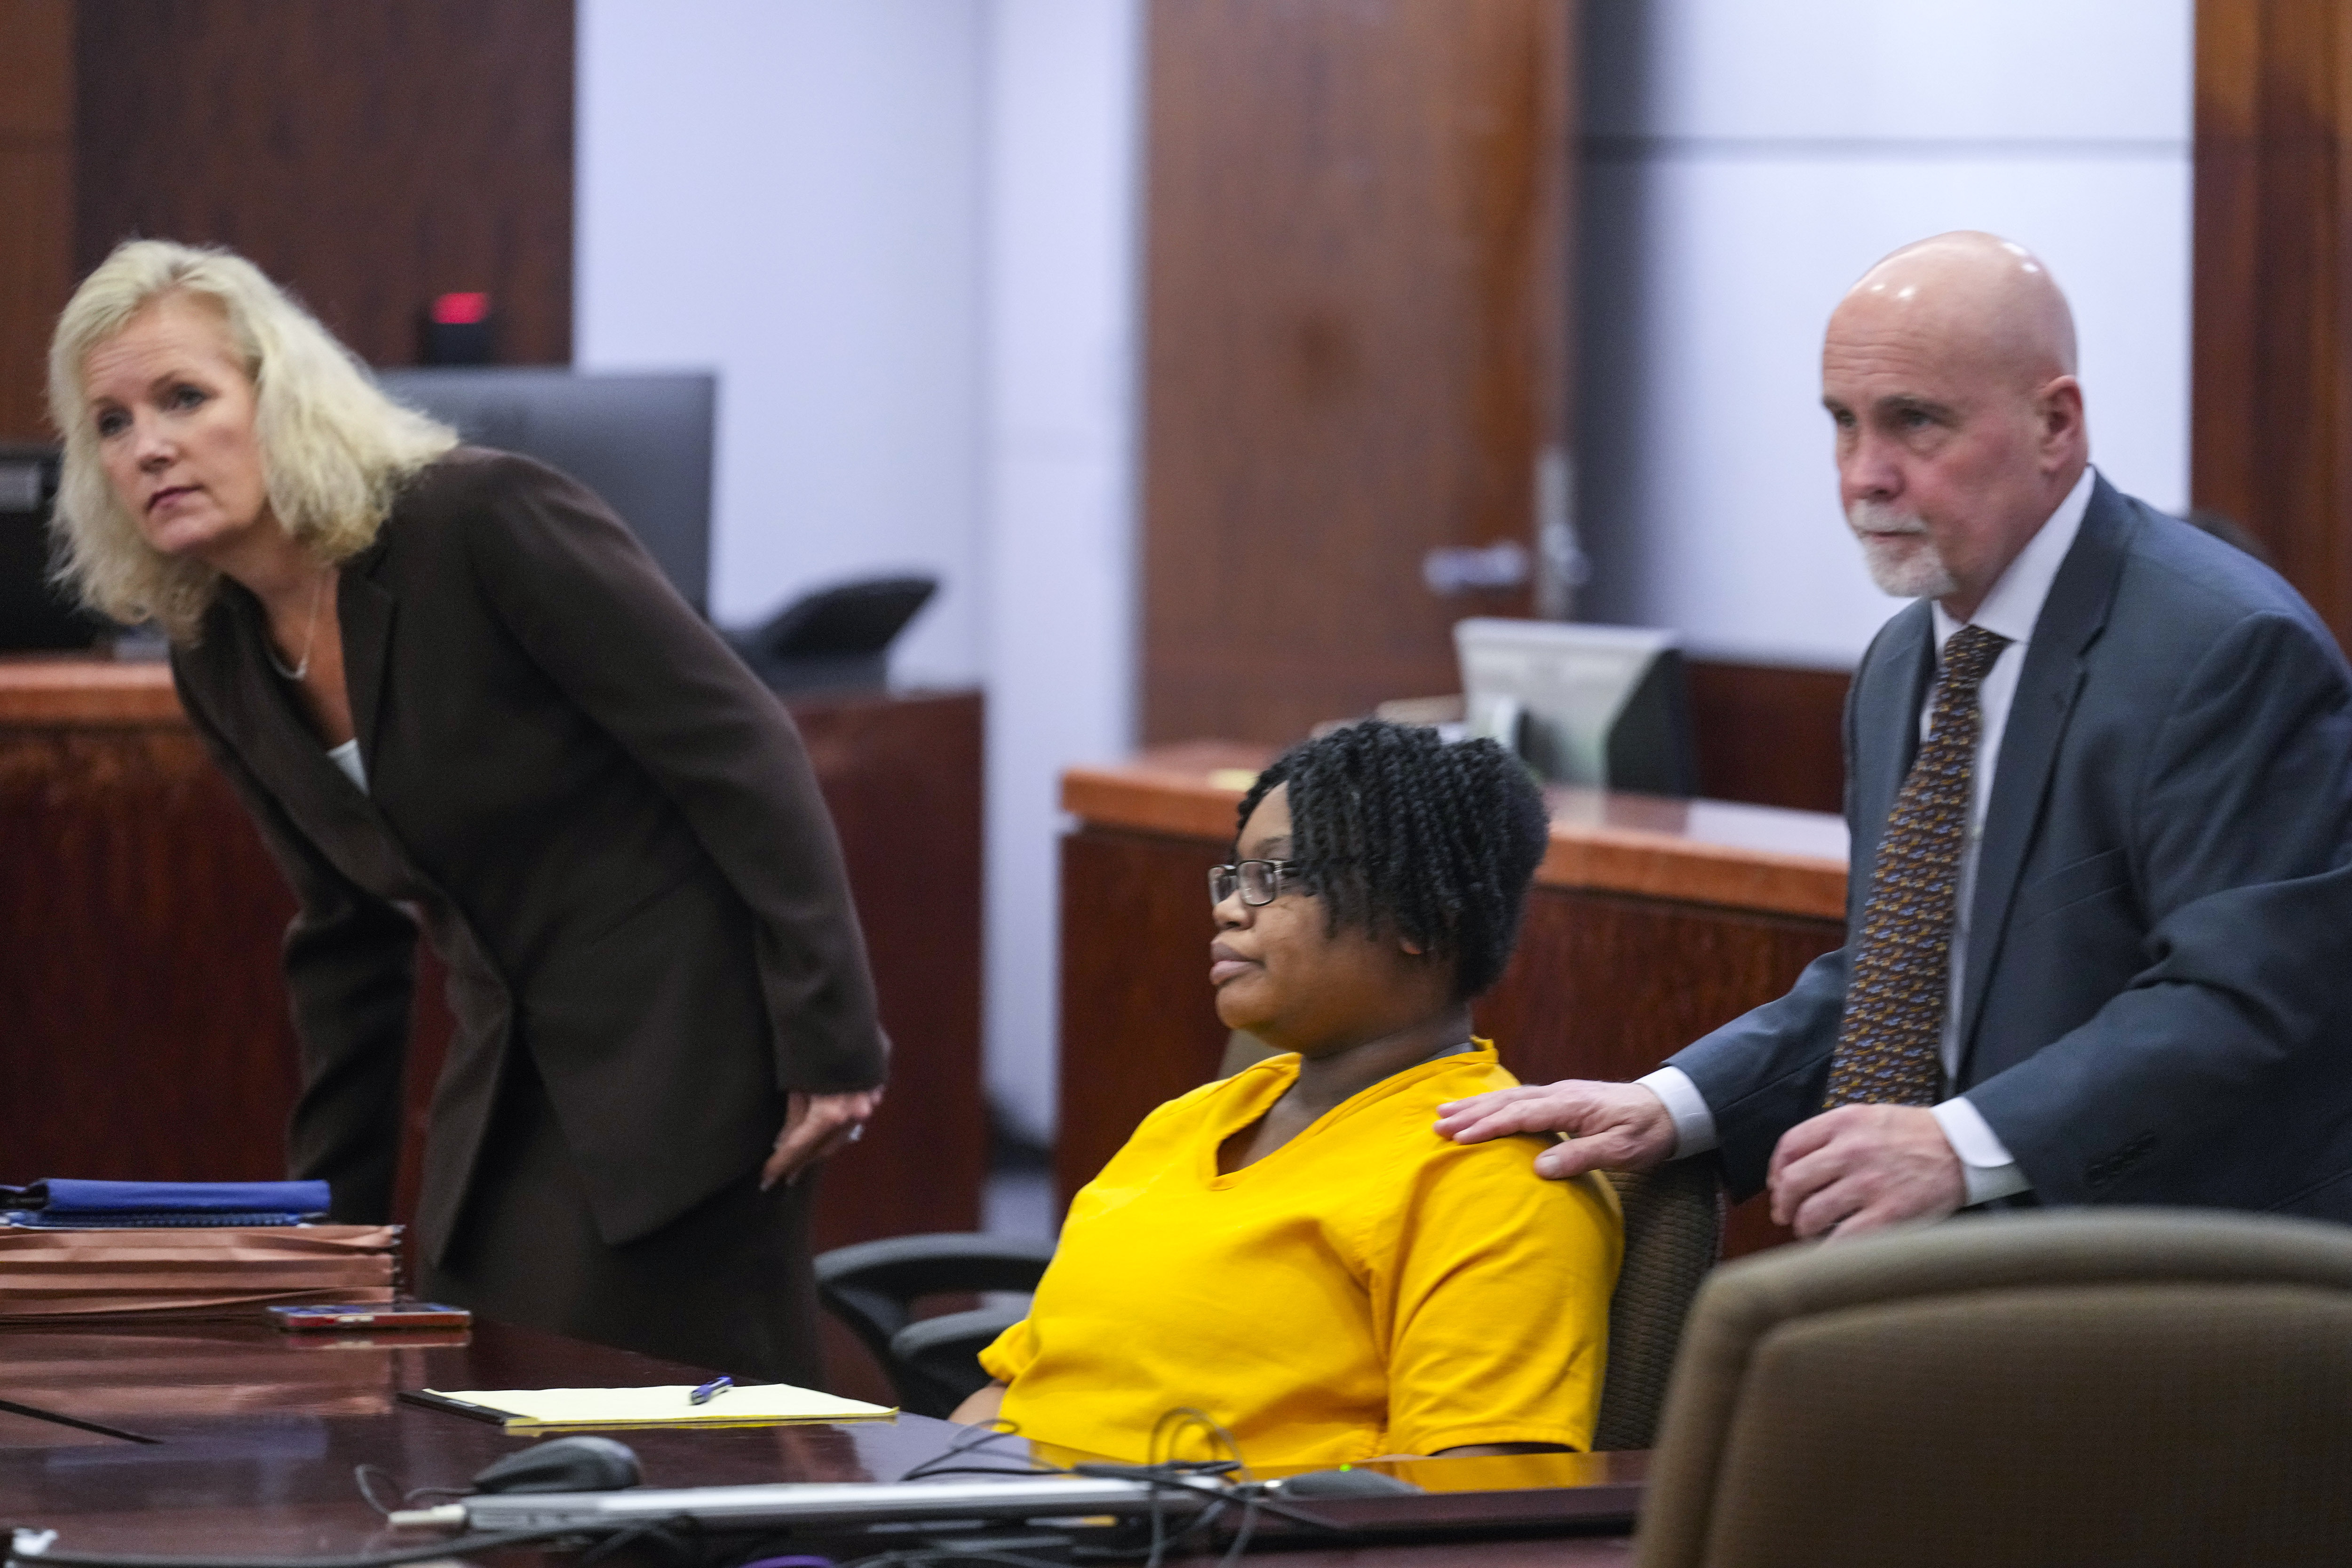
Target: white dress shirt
{"type": "Point", "coordinates": [347, 757]}
{"type": "Point", "coordinates": [2011, 610]}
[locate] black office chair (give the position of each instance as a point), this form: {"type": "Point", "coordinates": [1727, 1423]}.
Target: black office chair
{"type": "Point", "coordinates": [1673, 1233]}
{"type": "Point", "coordinates": [933, 1363]}
{"type": "Point", "coordinates": [836, 639]}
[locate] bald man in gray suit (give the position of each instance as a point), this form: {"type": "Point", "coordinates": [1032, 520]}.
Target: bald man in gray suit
{"type": "Point", "coordinates": [2099, 780]}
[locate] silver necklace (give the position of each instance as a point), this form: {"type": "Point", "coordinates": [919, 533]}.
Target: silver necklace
{"type": "Point", "coordinates": [310, 638]}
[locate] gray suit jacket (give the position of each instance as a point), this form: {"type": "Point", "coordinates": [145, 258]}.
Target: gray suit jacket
{"type": "Point", "coordinates": [2159, 948]}
{"type": "Point", "coordinates": [608, 824]}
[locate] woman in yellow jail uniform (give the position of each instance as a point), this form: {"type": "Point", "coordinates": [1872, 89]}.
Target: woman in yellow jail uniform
{"type": "Point", "coordinates": [1294, 1251]}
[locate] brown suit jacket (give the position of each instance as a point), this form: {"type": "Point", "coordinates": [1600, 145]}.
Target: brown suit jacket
{"type": "Point", "coordinates": [607, 827]}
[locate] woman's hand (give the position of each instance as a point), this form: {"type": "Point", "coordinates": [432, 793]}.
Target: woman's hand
{"type": "Point", "coordinates": [982, 1406]}
{"type": "Point", "coordinates": [816, 1127]}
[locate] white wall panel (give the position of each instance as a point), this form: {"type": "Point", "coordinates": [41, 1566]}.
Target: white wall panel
{"type": "Point", "coordinates": [1939, 70]}
{"type": "Point", "coordinates": [1748, 162]}
{"type": "Point", "coordinates": [1063, 105]}
{"type": "Point", "coordinates": [789, 192]}
{"type": "Point", "coordinates": [903, 232]}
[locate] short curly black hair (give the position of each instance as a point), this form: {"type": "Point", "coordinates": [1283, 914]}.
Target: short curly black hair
{"type": "Point", "coordinates": [1398, 830]}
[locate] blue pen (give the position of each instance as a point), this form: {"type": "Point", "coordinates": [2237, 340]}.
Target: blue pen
{"type": "Point", "coordinates": [710, 1391]}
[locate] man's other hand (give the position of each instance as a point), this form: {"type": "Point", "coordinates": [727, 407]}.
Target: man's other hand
{"type": "Point", "coordinates": [1611, 1126]}
{"type": "Point", "coordinates": [1864, 1167]}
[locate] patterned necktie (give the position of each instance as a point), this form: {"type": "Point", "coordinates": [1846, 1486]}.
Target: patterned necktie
{"type": "Point", "coordinates": [1889, 1049]}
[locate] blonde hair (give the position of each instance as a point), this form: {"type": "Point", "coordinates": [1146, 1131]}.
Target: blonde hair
{"type": "Point", "coordinates": [335, 450]}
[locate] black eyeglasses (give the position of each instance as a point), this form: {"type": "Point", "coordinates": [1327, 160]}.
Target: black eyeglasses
{"type": "Point", "coordinates": [1260, 881]}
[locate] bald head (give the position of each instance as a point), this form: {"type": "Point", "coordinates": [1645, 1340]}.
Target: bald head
{"type": "Point", "coordinates": [1977, 298]}
{"type": "Point", "coordinates": [1949, 371]}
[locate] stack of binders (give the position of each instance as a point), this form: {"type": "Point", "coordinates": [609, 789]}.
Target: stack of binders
{"type": "Point", "coordinates": [113, 1251]}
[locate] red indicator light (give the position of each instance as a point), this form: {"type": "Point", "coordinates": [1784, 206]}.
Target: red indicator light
{"type": "Point", "coordinates": [461, 309]}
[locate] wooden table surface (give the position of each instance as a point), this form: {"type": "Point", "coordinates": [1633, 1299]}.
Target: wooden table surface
{"type": "Point", "coordinates": [253, 1437]}
{"type": "Point", "coordinates": [80, 688]}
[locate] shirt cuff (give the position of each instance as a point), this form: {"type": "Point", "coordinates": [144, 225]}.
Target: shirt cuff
{"type": "Point", "coordinates": [1985, 1161]}
{"type": "Point", "coordinates": [1693, 1122]}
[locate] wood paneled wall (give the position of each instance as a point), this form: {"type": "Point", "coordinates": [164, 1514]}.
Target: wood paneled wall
{"type": "Point", "coordinates": [1356, 341]}
{"type": "Point", "coordinates": [2272, 370]}
{"type": "Point", "coordinates": [370, 155]}
{"type": "Point", "coordinates": [1769, 734]}
{"type": "Point", "coordinates": [37, 200]}
{"type": "Point", "coordinates": [144, 1022]}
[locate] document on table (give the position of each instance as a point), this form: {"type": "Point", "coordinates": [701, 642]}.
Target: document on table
{"type": "Point", "coordinates": [744, 1404]}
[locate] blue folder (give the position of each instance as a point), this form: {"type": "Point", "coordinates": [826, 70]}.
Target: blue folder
{"type": "Point", "coordinates": [59, 1202]}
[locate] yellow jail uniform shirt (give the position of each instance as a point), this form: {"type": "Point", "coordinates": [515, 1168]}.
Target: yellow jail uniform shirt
{"type": "Point", "coordinates": [1368, 1287]}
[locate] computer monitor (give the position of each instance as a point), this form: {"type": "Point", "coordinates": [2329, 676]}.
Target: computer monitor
{"type": "Point", "coordinates": [642, 442]}
{"type": "Point", "coordinates": [1605, 706]}
{"type": "Point", "coordinates": [34, 613]}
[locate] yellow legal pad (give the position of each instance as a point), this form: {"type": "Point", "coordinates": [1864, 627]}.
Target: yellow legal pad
{"type": "Point", "coordinates": [566, 1409]}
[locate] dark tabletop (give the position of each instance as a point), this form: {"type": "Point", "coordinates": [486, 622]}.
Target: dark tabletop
{"type": "Point", "coordinates": [223, 1438]}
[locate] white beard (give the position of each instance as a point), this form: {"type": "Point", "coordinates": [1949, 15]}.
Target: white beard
{"type": "Point", "coordinates": [1900, 552]}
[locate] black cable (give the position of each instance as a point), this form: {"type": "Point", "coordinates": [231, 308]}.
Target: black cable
{"type": "Point", "coordinates": [1162, 1472]}
{"type": "Point", "coordinates": [939, 1556]}
{"type": "Point", "coordinates": [974, 1437]}
{"type": "Point", "coordinates": [1251, 1503]}
{"type": "Point", "coordinates": [366, 1477]}
{"type": "Point", "coordinates": [1159, 1532]}
{"type": "Point", "coordinates": [661, 1533]}
{"type": "Point", "coordinates": [1173, 1423]}
{"type": "Point", "coordinates": [37, 1414]}
{"type": "Point", "coordinates": [1160, 1475]}
{"type": "Point", "coordinates": [1172, 1477]}
{"type": "Point", "coordinates": [1176, 1472]}
{"type": "Point", "coordinates": [1193, 1477]}
{"type": "Point", "coordinates": [1186, 1476]}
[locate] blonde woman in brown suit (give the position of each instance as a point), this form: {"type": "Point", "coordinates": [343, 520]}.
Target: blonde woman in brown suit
{"type": "Point", "coordinates": [454, 692]}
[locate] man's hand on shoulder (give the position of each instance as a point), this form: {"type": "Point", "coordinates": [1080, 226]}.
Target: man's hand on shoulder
{"type": "Point", "coordinates": [1864, 1167]}
{"type": "Point", "coordinates": [1611, 1126]}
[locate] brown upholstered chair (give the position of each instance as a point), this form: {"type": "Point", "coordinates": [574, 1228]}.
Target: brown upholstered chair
{"type": "Point", "coordinates": [2149, 1387]}
{"type": "Point", "coordinates": [1674, 1234]}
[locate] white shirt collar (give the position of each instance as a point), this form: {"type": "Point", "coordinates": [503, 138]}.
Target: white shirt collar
{"type": "Point", "coordinates": [2016, 600]}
